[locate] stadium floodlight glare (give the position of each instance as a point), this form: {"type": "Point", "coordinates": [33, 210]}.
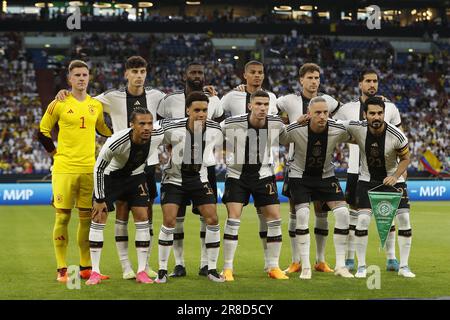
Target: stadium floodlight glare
{"type": "Point", "coordinates": [47, 45]}
{"type": "Point", "coordinates": [413, 12]}
{"type": "Point", "coordinates": [233, 47]}
{"type": "Point", "coordinates": [123, 5]}
{"type": "Point", "coordinates": [236, 58]}
{"type": "Point", "coordinates": [42, 4]}
{"type": "Point", "coordinates": [193, 3]}
{"type": "Point", "coordinates": [75, 3]}
{"type": "Point", "coordinates": [145, 4]}
{"type": "Point", "coordinates": [306, 8]}
{"type": "Point", "coordinates": [102, 5]}
{"type": "Point", "coordinates": [410, 50]}
{"type": "Point", "coordinates": [282, 8]}
{"type": "Point", "coordinates": [219, 60]}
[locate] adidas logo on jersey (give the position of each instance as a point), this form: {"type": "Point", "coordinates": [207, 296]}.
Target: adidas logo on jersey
{"type": "Point", "coordinates": [374, 144]}
{"type": "Point", "coordinates": [70, 111]}
{"type": "Point", "coordinates": [137, 103]}
{"type": "Point", "coordinates": [317, 143]}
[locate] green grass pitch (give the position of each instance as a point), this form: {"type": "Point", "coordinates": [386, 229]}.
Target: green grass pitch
{"type": "Point", "coordinates": [27, 264]}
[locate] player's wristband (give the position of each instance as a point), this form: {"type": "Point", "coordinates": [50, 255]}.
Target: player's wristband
{"type": "Point", "coordinates": [101, 200]}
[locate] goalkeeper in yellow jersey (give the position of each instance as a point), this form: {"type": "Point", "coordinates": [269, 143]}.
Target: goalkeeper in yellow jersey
{"type": "Point", "coordinates": [78, 119]}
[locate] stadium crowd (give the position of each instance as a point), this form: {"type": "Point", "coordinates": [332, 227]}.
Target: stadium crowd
{"type": "Point", "coordinates": [417, 83]}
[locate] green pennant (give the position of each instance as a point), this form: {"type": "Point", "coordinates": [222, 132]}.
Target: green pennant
{"type": "Point", "coordinates": [384, 207]}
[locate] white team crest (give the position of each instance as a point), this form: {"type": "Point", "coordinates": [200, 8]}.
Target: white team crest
{"type": "Point", "coordinates": [384, 208]}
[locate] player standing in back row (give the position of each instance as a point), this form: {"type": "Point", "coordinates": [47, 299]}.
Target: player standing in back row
{"type": "Point", "coordinates": [311, 178]}
{"type": "Point", "coordinates": [185, 179]}
{"type": "Point", "coordinates": [368, 85]}
{"type": "Point", "coordinates": [251, 137]}
{"type": "Point", "coordinates": [384, 159]}
{"type": "Point", "coordinates": [296, 105]}
{"type": "Point", "coordinates": [237, 102]}
{"type": "Point", "coordinates": [174, 106]}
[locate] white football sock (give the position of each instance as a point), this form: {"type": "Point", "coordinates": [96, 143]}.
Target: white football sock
{"type": "Point", "coordinates": [96, 244]}
{"type": "Point", "coordinates": [361, 234]}
{"type": "Point", "coordinates": [302, 234]}
{"type": "Point", "coordinates": [341, 231]}
{"type": "Point", "coordinates": [212, 243]}
{"type": "Point", "coordinates": [320, 235]}
{"type": "Point", "coordinates": [178, 240]}
{"type": "Point", "coordinates": [165, 243]}
{"type": "Point", "coordinates": [230, 242]}
{"type": "Point", "coordinates": [273, 243]}
{"type": "Point", "coordinates": [142, 243]}
{"type": "Point", "coordinates": [121, 234]}
{"type": "Point", "coordinates": [404, 235]}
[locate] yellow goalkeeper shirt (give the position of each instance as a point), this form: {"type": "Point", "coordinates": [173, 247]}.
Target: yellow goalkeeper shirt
{"type": "Point", "coordinates": [78, 122]}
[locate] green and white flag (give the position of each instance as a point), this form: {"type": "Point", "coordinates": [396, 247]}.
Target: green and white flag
{"type": "Point", "coordinates": [384, 207]}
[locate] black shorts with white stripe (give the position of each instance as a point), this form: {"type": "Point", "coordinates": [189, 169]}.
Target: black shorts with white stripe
{"type": "Point", "coordinates": [305, 190]}
{"type": "Point", "coordinates": [199, 194]}
{"type": "Point", "coordinates": [264, 191]}
{"type": "Point", "coordinates": [131, 189]}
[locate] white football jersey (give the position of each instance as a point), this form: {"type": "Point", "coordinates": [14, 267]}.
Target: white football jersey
{"type": "Point", "coordinates": [251, 148]}
{"type": "Point", "coordinates": [380, 156]}
{"type": "Point", "coordinates": [313, 152]}
{"type": "Point", "coordinates": [173, 105]}
{"type": "Point", "coordinates": [353, 111]}
{"type": "Point", "coordinates": [236, 103]}
{"type": "Point", "coordinates": [120, 157]}
{"type": "Point", "coordinates": [295, 104]}
{"type": "Point", "coordinates": [191, 154]}
{"type": "Point", "coordinates": [119, 104]}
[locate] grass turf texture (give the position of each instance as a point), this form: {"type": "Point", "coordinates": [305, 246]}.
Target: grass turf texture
{"type": "Point", "coordinates": [28, 265]}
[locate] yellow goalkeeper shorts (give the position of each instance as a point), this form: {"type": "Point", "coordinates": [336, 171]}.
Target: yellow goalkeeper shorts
{"type": "Point", "coordinates": [72, 190]}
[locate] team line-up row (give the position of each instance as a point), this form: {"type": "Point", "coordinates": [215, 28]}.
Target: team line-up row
{"type": "Point", "coordinates": [124, 174]}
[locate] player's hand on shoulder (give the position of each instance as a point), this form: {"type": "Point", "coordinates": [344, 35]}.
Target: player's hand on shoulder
{"type": "Point", "coordinates": [383, 98]}
{"type": "Point", "coordinates": [303, 119]}
{"type": "Point", "coordinates": [210, 89]}
{"type": "Point", "coordinates": [241, 88]}
{"type": "Point", "coordinates": [62, 95]}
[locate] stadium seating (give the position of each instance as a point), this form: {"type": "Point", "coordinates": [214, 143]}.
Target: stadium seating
{"type": "Point", "coordinates": [418, 84]}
